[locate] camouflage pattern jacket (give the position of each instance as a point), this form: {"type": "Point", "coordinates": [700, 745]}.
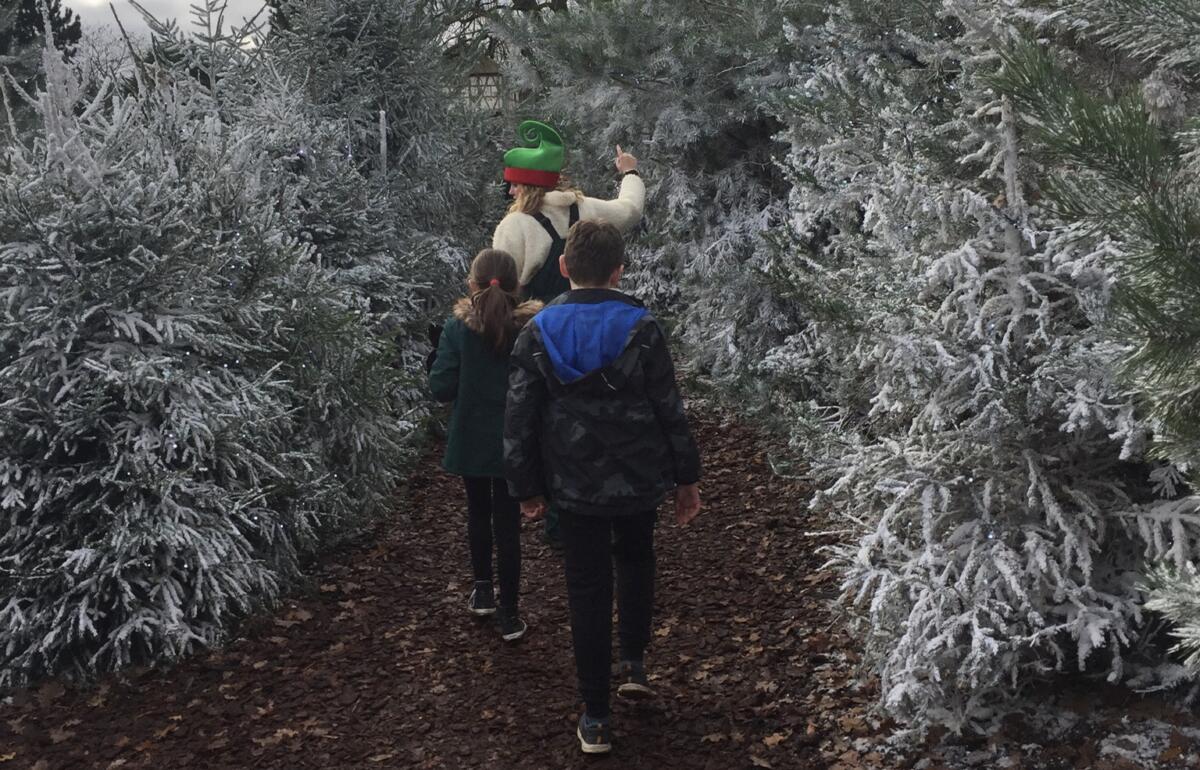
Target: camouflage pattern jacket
{"type": "Point", "coordinates": [594, 420]}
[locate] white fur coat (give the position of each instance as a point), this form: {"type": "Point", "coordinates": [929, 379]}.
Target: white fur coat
{"type": "Point", "coordinates": [529, 243]}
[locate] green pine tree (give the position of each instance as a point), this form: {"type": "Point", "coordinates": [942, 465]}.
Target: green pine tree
{"type": "Point", "coordinates": [1125, 157]}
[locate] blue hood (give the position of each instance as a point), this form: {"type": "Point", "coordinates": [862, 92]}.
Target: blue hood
{"type": "Point", "coordinates": [582, 338]}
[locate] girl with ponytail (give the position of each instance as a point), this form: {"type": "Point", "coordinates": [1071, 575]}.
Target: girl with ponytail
{"type": "Point", "coordinates": [470, 369]}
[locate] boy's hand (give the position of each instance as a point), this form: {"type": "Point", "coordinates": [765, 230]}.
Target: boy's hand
{"type": "Point", "coordinates": [687, 503]}
{"type": "Point", "coordinates": [534, 508]}
{"type": "Point", "coordinates": [625, 161]}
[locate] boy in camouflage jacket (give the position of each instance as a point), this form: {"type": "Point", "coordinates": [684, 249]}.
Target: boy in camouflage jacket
{"type": "Point", "coordinates": [594, 423]}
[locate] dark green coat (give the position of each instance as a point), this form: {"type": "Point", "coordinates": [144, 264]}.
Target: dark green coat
{"type": "Point", "coordinates": [468, 372]}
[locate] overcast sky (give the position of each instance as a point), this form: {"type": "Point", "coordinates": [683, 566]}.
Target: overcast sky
{"type": "Point", "coordinates": [95, 14]}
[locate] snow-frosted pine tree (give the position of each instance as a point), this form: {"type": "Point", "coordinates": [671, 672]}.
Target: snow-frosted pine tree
{"type": "Point", "coordinates": [389, 74]}
{"type": "Point", "coordinates": [1125, 153]}
{"type": "Point", "coordinates": [23, 26]}
{"type": "Point", "coordinates": [983, 452]}
{"type": "Point", "coordinates": [188, 396]}
{"type": "Point", "coordinates": [681, 85]}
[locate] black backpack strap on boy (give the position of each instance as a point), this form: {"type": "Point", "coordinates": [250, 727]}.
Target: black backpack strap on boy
{"type": "Point", "coordinates": [548, 282]}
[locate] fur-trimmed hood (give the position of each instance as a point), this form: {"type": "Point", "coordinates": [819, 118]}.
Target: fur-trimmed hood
{"type": "Point", "coordinates": [561, 198]}
{"type": "Point", "coordinates": [464, 311]}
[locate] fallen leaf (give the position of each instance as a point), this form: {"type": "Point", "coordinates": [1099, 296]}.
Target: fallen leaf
{"type": "Point", "coordinates": [98, 700]}
{"type": "Point", "coordinates": [1170, 754]}
{"type": "Point", "coordinates": [117, 763]}
{"type": "Point", "coordinates": [49, 693]}
{"type": "Point", "coordinates": [8, 757]}
{"type": "Point", "coordinates": [713, 738]}
{"type": "Point", "coordinates": [772, 741]}
{"type": "Point", "coordinates": [58, 735]}
{"type": "Point", "coordinates": [279, 737]}
{"type": "Point", "coordinates": [381, 757]}
{"type": "Point", "coordinates": [759, 762]}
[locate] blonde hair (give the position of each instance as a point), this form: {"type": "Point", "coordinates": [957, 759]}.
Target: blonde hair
{"type": "Point", "coordinates": [529, 197]}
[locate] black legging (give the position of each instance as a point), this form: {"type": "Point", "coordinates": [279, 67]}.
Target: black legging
{"type": "Point", "coordinates": [490, 509]}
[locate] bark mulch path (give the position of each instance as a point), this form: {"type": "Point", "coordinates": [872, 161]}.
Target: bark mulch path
{"type": "Point", "coordinates": [379, 666]}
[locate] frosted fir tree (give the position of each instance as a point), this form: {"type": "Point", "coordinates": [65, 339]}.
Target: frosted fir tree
{"type": "Point", "coordinates": [981, 450]}
{"type": "Point", "coordinates": [363, 222]}
{"type": "Point", "coordinates": [189, 399]}
{"type": "Point", "coordinates": [394, 77]}
{"type": "Point", "coordinates": [23, 28]}
{"type": "Point", "coordinates": [1125, 165]}
{"type": "Point", "coordinates": [681, 85]}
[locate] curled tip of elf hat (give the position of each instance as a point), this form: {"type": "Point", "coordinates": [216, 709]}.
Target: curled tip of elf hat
{"type": "Point", "coordinates": [539, 164]}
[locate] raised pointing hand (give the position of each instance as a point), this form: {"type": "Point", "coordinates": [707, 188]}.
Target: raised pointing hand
{"type": "Point", "coordinates": [625, 161]}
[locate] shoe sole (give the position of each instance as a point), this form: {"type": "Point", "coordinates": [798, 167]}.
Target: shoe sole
{"type": "Point", "coordinates": [515, 635]}
{"type": "Point", "coordinates": [481, 613]}
{"type": "Point", "coordinates": [631, 691]}
{"type": "Point", "coordinates": [591, 748]}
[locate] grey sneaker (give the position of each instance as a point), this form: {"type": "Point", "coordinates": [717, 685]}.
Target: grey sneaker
{"type": "Point", "coordinates": [483, 599]}
{"type": "Point", "coordinates": [512, 627]}
{"type": "Point", "coordinates": [594, 735]}
{"type": "Point", "coordinates": [632, 681]}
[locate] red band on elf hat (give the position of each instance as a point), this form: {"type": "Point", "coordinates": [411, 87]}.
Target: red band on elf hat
{"type": "Point", "coordinates": [531, 177]}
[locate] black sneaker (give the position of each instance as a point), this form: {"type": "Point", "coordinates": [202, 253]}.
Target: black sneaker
{"type": "Point", "coordinates": [483, 599]}
{"type": "Point", "coordinates": [633, 684]}
{"type": "Point", "coordinates": [594, 735]}
{"type": "Point", "coordinates": [512, 627]}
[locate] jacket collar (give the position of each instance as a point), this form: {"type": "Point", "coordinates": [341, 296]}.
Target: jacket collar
{"type": "Point", "coordinates": [464, 311]}
{"type": "Point", "coordinates": [596, 296]}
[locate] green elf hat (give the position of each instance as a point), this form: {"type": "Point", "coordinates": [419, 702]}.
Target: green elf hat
{"type": "Point", "coordinates": [539, 164]}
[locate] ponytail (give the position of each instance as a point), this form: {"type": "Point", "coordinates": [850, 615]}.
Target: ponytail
{"type": "Point", "coordinates": [494, 295]}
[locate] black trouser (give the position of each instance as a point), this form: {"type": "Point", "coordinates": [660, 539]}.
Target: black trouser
{"type": "Point", "coordinates": [490, 509]}
{"type": "Point", "coordinates": [591, 545]}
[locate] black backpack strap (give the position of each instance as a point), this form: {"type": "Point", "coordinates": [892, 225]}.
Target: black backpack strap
{"type": "Point", "coordinates": [574, 214]}
{"type": "Point", "coordinates": [549, 227]}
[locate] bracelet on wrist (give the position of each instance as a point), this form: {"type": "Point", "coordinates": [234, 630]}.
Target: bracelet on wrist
{"type": "Point", "coordinates": [632, 171]}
